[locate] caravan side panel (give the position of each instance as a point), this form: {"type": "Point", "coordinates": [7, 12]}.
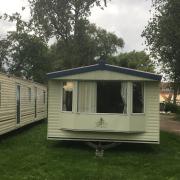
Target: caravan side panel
{"type": "Point", "coordinates": [8, 103]}
{"type": "Point", "coordinates": [54, 105]}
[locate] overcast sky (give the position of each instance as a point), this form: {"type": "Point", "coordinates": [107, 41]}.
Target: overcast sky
{"type": "Point", "coordinates": [126, 18]}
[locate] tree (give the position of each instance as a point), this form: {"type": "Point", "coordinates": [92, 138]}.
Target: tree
{"type": "Point", "coordinates": [60, 18]}
{"type": "Point", "coordinates": [107, 43]}
{"type": "Point", "coordinates": [93, 42]}
{"type": "Point", "coordinates": [135, 60]}
{"type": "Point", "coordinates": [78, 41]}
{"type": "Point", "coordinates": [26, 56]}
{"type": "Point", "coordinates": [163, 38]}
{"type": "Point", "coordinates": [4, 44]}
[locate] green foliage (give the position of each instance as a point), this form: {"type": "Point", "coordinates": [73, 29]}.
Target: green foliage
{"type": "Point", "coordinates": [135, 60]}
{"type": "Point", "coordinates": [170, 107]}
{"type": "Point", "coordinates": [60, 18]}
{"type": "Point", "coordinates": [21, 26]}
{"type": "Point", "coordinates": [178, 111]}
{"type": "Point", "coordinates": [78, 42]}
{"type": "Point", "coordinates": [163, 37]}
{"type": "Point", "coordinates": [27, 154]}
{"type": "Point", "coordinates": [92, 42]}
{"type": "Point", "coordinates": [23, 53]}
{"type": "Point", "coordinates": [26, 56]}
{"type": "Point", "coordinates": [106, 43]}
{"type": "Point", "coordinates": [4, 44]}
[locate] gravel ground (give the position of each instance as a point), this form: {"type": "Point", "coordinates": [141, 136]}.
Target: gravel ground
{"type": "Point", "coordinates": [169, 123]}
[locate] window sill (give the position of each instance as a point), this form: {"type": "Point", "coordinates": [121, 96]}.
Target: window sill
{"type": "Point", "coordinates": [84, 113]}
{"type": "Point", "coordinates": [68, 112]}
{"type": "Point", "coordinates": [137, 114]}
{"type": "Point", "coordinates": [102, 113]}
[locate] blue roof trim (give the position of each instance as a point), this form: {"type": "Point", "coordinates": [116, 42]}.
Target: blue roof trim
{"type": "Point", "coordinates": [102, 66]}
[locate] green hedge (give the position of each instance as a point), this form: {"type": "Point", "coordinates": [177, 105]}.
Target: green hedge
{"type": "Point", "coordinates": [172, 108]}
{"type": "Point", "coordinates": [178, 110]}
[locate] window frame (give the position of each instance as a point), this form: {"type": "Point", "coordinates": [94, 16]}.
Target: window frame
{"type": "Point", "coordinates": [143, 83]}
{"type": "Point", "coordinates": [129, 99]}
{"type": "Point", "coordinates": [29, 94]}
{"type": "Point", "coordinates": [121, 114]}
{"type": "Point", "coordinates": [0, 94]}
{"type": "Point", "coordinates": [44, 97]}
{"type": "Point", "coordinates": [62, 95]}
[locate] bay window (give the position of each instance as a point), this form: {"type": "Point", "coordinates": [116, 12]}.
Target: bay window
{"type": "Point", "coordinates": [102, 97]}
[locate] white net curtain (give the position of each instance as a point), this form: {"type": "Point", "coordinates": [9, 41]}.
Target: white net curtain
{"type": "Point", "coordinates": [87, 97]}
{"type": "Point", "coordinates": [124, 96]}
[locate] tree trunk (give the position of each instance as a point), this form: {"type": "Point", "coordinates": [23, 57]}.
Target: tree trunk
{"type": "Point", "coordinates": [175, 92]}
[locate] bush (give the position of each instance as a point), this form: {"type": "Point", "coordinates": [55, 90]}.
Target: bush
{"type": "Point", "coordinates": [171, 107]}
{"type": "Point", "coordinates": [178, 110]}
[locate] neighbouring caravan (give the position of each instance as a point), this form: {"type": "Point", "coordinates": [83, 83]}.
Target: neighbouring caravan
{"type": "Point", "coordinates": [103, 103]}
{"type": "Point", "coordinates": [21, 102]}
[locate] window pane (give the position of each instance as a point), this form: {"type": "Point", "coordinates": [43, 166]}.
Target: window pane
{"type": "Point", "coordinates": [87, 97]}
{"type": "Point", "coordinates": [0, 94]}
{"type": "Point", "coordinates": [111, 97]}
{"type": "Point", "coordinates": [138, 97]}
{"type": "Point", "coordinates": [29, 93]}
{"type": "Point", "coordinates": [67, 96]}
{"type": "Point", "coordinates": [44, 97]}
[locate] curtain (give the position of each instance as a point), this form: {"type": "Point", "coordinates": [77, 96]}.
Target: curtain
{"type": "Point", "coordinates": [124, 95]}
{"type": "Point", "coordinates": [87, 96]}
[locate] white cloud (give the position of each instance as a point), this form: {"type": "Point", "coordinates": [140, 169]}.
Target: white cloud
{"type": "Point", "coordinates": [126, 18]}
{"type": "Point", "coordinates": [10, 7]}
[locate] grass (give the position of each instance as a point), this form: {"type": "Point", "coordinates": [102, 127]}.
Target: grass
{"type": "Point", "coordinates": [26, 154]}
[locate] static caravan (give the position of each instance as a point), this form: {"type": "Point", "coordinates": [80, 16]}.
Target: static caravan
{"type": "Point", "coordinates": [21, 102]}
{"type": "Point", "coordinates": [103, 103]}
